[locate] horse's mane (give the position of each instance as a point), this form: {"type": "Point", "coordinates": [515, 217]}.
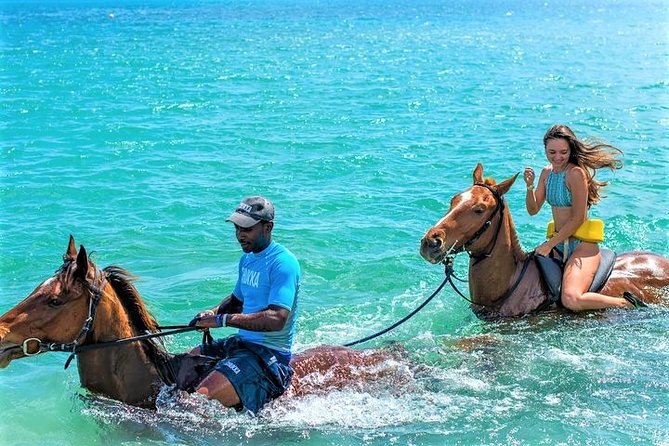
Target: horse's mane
{"type": "Point", "coordinates": [121, 281]}
{"type": "Point", "coordinates": [515, 241]}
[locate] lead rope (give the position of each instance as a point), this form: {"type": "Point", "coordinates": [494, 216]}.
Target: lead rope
{"type": "Point", "coordinates": [401, 321]}
{"type": "Point", "coordinates": [448, 272]}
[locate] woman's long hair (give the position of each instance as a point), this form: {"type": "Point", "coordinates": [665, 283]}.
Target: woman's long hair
{"type": "Point", "coordinates": [589, 156]}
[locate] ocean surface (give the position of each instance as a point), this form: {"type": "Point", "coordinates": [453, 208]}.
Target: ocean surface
{"type": "Point", "coordinates": [138, 125]}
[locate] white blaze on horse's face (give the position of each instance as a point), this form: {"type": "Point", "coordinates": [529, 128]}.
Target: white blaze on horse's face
{"type": "Point", "coordinates": [463, 198]}
{"type": "Point", "coordinates": [468, 212]}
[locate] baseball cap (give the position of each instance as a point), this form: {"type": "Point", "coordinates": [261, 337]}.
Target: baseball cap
{"type": "Point", "coordinates": [251, 211]}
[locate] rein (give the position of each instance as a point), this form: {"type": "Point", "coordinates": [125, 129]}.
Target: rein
{"type": "Point", "coordinates": [35, 346]}
{"type": "Point", "coordinates": [448, 263]}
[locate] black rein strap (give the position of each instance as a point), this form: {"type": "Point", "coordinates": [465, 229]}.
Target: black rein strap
{"type": "Point", "coordinates": [404, 319]}
{"type": "Point", "coordinates": [498, 302]}
{"type": "Point", "coordinates": [448, 262]}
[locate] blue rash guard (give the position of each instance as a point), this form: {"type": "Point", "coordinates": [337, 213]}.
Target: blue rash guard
{"type": "Point", "coordinates": [270, 277]}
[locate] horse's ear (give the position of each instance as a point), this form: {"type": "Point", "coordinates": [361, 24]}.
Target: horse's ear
{"type": "Point", "coordinates": [505, 185]}
{"type": "Point", "coordinates": [71, 252]}
{"type": "Point", "coordinates": [82, 263]}
{"type": "Point", "coordinates": [478, 173]}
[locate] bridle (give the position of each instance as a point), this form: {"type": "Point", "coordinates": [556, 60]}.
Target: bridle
{"type": "Point", "coordinates": [34, 346]}
{"type": "Point", "coordinates": [448, 263]}
{"type": "Point", "coordinates": [451, 253]}
{"type": "Point", "coordinates": [499, 208]}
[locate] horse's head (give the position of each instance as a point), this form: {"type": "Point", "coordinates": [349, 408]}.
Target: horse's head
{"type": "Point", "coordinates": [54, 312]}
{"type": "Point", "coordinates": [465, 225]}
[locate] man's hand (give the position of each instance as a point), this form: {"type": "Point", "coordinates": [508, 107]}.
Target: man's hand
{"type": "Point", "coordinates": [199, 317]}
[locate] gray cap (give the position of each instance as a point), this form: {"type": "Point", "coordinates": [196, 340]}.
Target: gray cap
{"type": "Point", "coordinates": [251, 211]}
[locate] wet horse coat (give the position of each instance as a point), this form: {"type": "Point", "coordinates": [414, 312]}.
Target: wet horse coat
{"type": "Point", "coordinates": [504, 280]}
{"type": "Point", "coordinates": [81, 306]}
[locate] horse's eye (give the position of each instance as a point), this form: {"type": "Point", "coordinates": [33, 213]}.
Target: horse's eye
{"type": "Point", "coordinates": [55, 303]}
{"type": "Point", "coordinates": [479, 210]}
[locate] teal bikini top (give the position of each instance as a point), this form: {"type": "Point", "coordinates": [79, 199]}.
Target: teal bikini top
{"type": "Point", "coordinates": [557, 193]}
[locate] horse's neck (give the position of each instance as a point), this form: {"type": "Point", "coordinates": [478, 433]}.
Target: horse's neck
{"type": "Point", "coordinates": [490, 277]}
{"type": "Point", "coordinates": [123, 373]}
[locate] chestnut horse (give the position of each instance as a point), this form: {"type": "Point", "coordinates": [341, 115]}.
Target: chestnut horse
{"type": "Point", "coordinates": [81, 308]}
{"type": "Point", "coordinates": [505, 281]}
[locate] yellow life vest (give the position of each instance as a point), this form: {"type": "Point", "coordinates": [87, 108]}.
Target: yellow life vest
{"type": "Point", "coordinates": [591, 230]}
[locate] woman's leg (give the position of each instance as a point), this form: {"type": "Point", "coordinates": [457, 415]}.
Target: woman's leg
{"type": "Point", "coordinates": [578, 274]}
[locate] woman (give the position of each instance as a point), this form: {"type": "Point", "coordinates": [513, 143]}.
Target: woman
{"type": "Point", "coordinates": [568, 185]}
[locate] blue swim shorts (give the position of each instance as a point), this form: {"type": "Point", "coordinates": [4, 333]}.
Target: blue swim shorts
{"type": "Point", "coordinates": [573, 243]}
{"type": "Point", "coordinates": [257, 373]}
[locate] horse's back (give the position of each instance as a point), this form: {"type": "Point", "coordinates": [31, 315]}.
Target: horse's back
{"type": "Point", "coordinates": [324, 357]}
{"type": "Point", "coordinates": [327, 367]}
{"type": "Point", "coordinates": [643, 273]}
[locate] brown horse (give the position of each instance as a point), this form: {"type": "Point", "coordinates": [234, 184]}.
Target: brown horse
{"type": "Point", "coordinates": [82, 307]}
{"type": "Point", "coordinates": [504, 280]}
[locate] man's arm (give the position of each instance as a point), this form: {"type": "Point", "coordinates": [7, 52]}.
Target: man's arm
{"type": "Point", "coordinates": [229, 305]}
{"type": "Point", "coordinates": [273, 318]}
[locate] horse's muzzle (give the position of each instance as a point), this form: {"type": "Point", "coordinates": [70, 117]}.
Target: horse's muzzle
{"type": "Point", "coordinates": [8, 350]}
{"type": "Point", "coordinates": [8, 353]}
{"type": "Point", "coordinates": [432, 248]}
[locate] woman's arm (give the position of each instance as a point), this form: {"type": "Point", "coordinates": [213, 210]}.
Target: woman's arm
{"type": "Point", "coordinates": [534, 198]}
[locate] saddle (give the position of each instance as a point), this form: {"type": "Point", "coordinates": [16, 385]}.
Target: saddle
{"type": "Point", "coordinates": [185, 370]}
{"type": "Point", "coordinates": [551, 273]}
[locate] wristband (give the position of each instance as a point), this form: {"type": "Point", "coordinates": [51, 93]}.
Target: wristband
{"type": "Point", "coordinates": [222, 320]}
{"type": "Point", "coordinates": [530, 187]}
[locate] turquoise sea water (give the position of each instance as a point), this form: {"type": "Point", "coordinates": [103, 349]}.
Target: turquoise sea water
{"type": "Point", "coordinates": [137, 126]}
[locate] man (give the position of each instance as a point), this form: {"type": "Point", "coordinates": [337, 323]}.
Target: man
{"type": "Point", "coordinates": [255, 364]}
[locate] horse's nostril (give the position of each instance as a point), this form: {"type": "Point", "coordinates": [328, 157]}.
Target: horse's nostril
{"type": "Point", "coordinates": [435, 242]}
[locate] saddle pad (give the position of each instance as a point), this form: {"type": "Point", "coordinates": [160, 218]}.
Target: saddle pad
{"type": "Point", "coordinates": [551, 272]}
{"type": "Point", "coordinates": [605, 269]}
